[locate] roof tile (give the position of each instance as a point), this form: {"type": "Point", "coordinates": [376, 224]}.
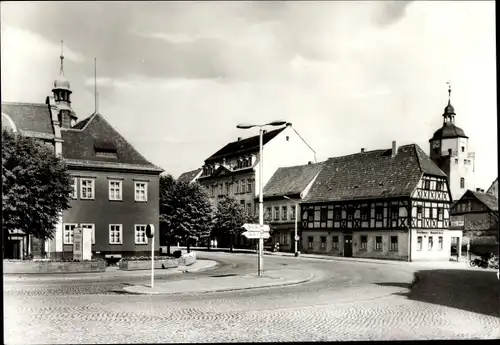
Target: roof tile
{"type": "Point", "coordinates": [30, 117]}
{"type": "Point", "coordinates": [189, 175]}
{"type": "Point", "coordinates": [291, 180]}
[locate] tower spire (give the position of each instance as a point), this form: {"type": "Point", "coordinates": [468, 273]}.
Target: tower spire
{"type": "Point", "coordinates": [62, 59]}
{"type": "Point", "coordinates": [449, 92]}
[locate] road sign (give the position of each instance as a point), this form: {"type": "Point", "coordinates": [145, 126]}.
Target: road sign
{"type": "Point", "coordinates": [297, 238]}
{"type": "Point", "coordinates": [150, 230]}
{"type": "Point", "coordinates": [256, 234]}
{"type": "Point", "coordinates": [256, 227]}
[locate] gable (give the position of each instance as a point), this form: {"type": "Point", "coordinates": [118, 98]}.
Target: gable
{"type": "Point", "coordinates": [432, 188]}
{"type": "Point", "coordinates": [99, 135]}
{"type": "Point", "coordinates": [291, 180]}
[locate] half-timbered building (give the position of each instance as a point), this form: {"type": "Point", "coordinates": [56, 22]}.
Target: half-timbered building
{"type": "Point", "coordinates": [390, 204]}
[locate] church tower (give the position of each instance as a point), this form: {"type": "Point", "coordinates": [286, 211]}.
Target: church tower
{"type": "Point", "coordinates": [449, 149]}
{"type": "Point", "coordinates": [62, 93]}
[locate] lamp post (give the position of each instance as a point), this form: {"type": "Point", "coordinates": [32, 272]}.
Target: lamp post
{"type": "Point", "coordinates": [296, 216]}
{"type": "Point", "coordinates": [261, 205]}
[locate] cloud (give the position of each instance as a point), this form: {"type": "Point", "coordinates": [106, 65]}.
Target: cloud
{"type": "Point", "coordinates": [390, 12]}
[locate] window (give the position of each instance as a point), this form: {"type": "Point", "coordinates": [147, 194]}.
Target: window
{"type": "Point", "coordinates": [140, 234]}
{"type": "Point", "coordinates": [335, 242]}
{"type": "Point", "coordinates": [141, 191]}
{"type": "Point", "coordinates": [323, 242]}
{"type": "Point", "coordinates": [463, 148]}
{"type": "Point", "coordinates": [284, 213]}
{"type": "Point", "coordinates": [419, 212]}
{"type": "Point", "coordinates": [430, 242]}
{"type": "Point", "coordinates": [456, 160]}
{"type": "Point", "coordinates": [364, 242]}
{"type": "Point", "coordinates": [394, 242]}
{"type": "Point", "coordinates": [293, 213]}
{"type": "Point", "coordinates": [249, 186]}
{"type": "Point", "coordinates": [378, 242]}
{"type": "Point", "coordinates": [242, 203]}
{"type": "Point", "coordinates": [87, 189]}
{"type": "Point", "coordinates": [419, 243]}
{"type": "Point", "coordinates": [115, 190]}
{"type": "Point", "coordinates": [115, 234]}
{"type": "Point", "coordinates": [220, 189]}
{"type": "Point", "coordinates": [249, 209]}
{"type": "Point", "coordinates": [92, 231]}
{"type": "Point", "coordinates": [75, 188]}
{"type": "Point", "coordinates": [323, 214]}
{"type": "Point", "coordinates": [212, 191]}
{"type": "Point", "coordinates": [462, 183]}
{"type": "Point", "coordinates": [440, 243]}
{"type": "Point", "coordinates": [440, 213]}
{"type": "Point", "coordinates": [285, 239]}
{"type": "Point", "coordinates": [68, 233]}
{"type": "Point", "coordinates": [268, 212]}
{"type": "Point", "coordinates": [439, 185]}
{"type": "Point", "coordinates": [394, 212]}
{"type": "Point", "coordinates": [310, 215]}
{"type": "Point", "coordinates": [379, 212]}
{"type": "Point", "coordinates": [365, 213]}
{"type": "Point", "coordinates": [337, 214]}
{"type": "Point", "coordinates": [276, 213]}
{"type": "Point", "coordinates": [350, 213]}
{"type": "Point", "coordinates": [427, 184]}
{"type": "Point", "coordinates": [226, 184]}
{"type": "Point", "coordinates": [310, 242]}
{"type": "Point", "coordinates": [236, 187]}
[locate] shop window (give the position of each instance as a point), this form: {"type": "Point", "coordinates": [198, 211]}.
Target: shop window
{"type": "Point", "coordinates": [394, 242]}
{"type": "Point", "coordinates": [364, 242]}
{"type": "Point", "coordinates": [440, 243]}
{"type": "Point", "coordinates": [431, 242]}
{"type": "Point", "coordinates": [310, 242]}
{"type": "Point", "coordinates": [378, 242]}
{"type": "Point", "coordinates": [335, 242]}
{"type": "Point", "coordinates": [419, 243]}
{"type": "Point", "coordinates": [323, 242]}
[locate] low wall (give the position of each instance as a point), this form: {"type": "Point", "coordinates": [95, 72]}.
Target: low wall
{"type": "Point", "coordinates": [132, 265]}
{"type": "Point", "coordinates": [27, 267]}
{"type": "Point", "coordinates": [184, 260]}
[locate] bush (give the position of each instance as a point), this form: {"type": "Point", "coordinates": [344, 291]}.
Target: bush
{"type": "Point", "coordinates": [177, 254]}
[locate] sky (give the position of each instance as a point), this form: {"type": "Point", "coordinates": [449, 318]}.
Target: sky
{"type": "Point", "coordinates": [175, 78]}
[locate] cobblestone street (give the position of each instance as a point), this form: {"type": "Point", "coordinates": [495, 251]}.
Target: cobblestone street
{"type": "Point", "coordinates": [345, 301]}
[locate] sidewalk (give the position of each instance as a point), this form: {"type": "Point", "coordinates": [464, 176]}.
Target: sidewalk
{"type": "Point", "coordinates": [225, 283]}
{"type": "Point", "coordinates": [113, 272]}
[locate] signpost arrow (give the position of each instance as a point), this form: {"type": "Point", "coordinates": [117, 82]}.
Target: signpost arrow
{"type": "Point", "coordinates": [256, 227]}
{"type": "Point", "coordinates": [256, 234]}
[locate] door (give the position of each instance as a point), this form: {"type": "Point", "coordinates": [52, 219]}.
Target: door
{"type": "Point", "coordinates": [348, 246]}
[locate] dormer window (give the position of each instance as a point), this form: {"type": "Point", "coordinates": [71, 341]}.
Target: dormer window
{"type": "Point", "coordinates": [104, 148]}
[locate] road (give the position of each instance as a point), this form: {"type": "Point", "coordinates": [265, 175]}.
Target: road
{"type": "Point", "coordinates": [344, 301]}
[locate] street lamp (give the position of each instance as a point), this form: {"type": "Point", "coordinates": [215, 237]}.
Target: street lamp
{"type": "Point", "coordinates": [261, 205]}
{"type": "Point", "coordinates": [296, 216]}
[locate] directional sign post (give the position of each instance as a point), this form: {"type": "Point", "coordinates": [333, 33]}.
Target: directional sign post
{"type": "Point", "coordinates": [150, 233]}
{"type": "Point", "coordinates": [260, 232]}
{"type": "Point", "coordinates": [256, 234]}
{"type": "Point", "coordinates": [256, 227]}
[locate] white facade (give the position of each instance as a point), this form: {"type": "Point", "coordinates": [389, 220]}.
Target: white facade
{"type": "Point", "coordinates": [286, 149]}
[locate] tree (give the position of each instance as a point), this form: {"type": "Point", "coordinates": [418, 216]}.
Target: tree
{"type": "Point", "coordinates": [229, 218]}
{"type": "Point", "coordinates": [36, 186]}
{"type": "Point", "coordinates": [185, 210]}
{"type": "Point", "coordinates": [167, 184]}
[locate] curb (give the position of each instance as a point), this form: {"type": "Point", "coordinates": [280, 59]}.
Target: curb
{"type": "Point", "coordinates": [289, 283]}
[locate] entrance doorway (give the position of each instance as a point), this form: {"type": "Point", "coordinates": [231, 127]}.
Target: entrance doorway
{"type": "Point", "coordinates": [348, 246]}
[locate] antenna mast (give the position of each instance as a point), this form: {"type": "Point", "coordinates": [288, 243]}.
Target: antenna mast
{"type": "Point", "coordinates": [95, 85]}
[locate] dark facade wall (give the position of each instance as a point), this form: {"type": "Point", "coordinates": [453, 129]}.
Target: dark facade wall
{"type": "Point", "coordinates": [102, 212]}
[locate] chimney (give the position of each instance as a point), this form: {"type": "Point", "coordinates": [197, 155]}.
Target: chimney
{"type": "Point", "coordinates": [394, 149]}
{"type": "Point", "coordinates": [482, 190]}
{"type": "Point", "coordinates": [239, 138]}
{"type": "Point", "coordinates": [478, 189]}
{"type": "Point", "coordinates": [362, 149]}
{"type": "Point", "coordinates": [309, 163]}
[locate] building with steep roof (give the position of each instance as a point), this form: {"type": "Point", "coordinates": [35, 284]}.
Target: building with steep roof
{"type": "Point", "coordinates": [449, 149]}
{"type": "Point", "coordinates": [282, 193]}
{"type": "Point", "coordinates": [190, 176]}
{"type": "Point", "coordinates": [115, 188]}
{"type": "Point", "coordinates": [476, 214]}
{"type": "Point", "coordinates": [390, 203]}
{"type": "Point", "coordinates": [493, 188]}
{"type": "Point", "coordinates": [235, 168]}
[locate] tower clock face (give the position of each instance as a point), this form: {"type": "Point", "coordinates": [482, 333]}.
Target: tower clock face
{"type": "Point", "coordinates": [436, 144]}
